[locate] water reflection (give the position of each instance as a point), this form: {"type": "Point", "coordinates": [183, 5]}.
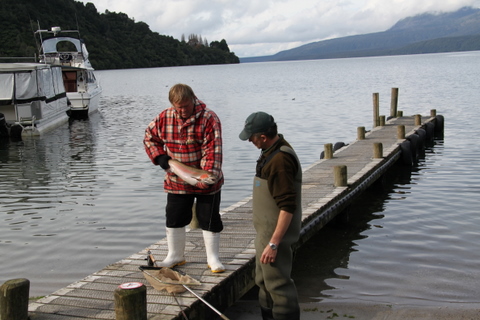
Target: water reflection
{"type": "Point", "coordinates": [329, 250]}
{"type": "Point", "coordinates": [47, 168]}
{"type": "Point", "coordinates": [81, 169]}
{"type": "Point", "coordinates": [412, 245]}
{"type": "Point", "coordinates": [25, 175]}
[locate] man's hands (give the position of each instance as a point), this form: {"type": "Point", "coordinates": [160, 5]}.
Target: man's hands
{"type": "Point", "coordinates": [268, 255]}
{"type": "Point", "coordinates": [162, 161]}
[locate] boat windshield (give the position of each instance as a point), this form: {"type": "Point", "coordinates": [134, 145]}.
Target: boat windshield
{"type": "Point", "coordinates": [52, 45]}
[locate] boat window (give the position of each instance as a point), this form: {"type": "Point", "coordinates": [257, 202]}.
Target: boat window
{"type": "Point", "coordinates": [6, 86]}
{"type": "Point", "coordinates": [66, 46]}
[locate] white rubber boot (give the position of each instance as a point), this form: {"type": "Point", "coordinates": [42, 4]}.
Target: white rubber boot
{"type": "Point", "coordinates": [212, 245]}
{"type": "Point", "coordinates": [176, 247]}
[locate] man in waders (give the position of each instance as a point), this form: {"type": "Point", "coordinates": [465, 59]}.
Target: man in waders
{"type": "Point", "coordinates": [191, 133]}
{"type": "Point", "coordinates": [276, 217]}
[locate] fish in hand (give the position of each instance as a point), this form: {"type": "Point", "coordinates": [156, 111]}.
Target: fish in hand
{"type": "Point", "coordinates": [190, 174]}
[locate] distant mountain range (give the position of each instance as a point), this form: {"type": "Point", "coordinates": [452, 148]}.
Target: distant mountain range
{"type": "Point", "coordinates": [424, 33]}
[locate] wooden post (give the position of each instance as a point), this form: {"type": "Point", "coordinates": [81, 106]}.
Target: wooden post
{"type": "Point", "coordinates": [400, 132]}
{"type": "Point", "coordinates": [361, 133]}
{"type": "Point", "coordinates": [399, 114]}
{"type": "Point", "coordinates": [376, 110]}
{"type": "Point", "coordinates": [418, 120]}
{"type": "Point", "coordinates": [328, 150]}
{"type": "Point", "coordinates": [340, 176]}
{"type": "Point", "coordinates": [377, 150]}
{"type": "Point", "coordinates": [433, 113]}
{"type": "Point", "coordinates": [131, 301]}
{"type": "Point", "coordinates": [394, 103]}
{"type": "Point", "coordinates": [14, 299]}
{"type": "Point", "coordinates": [382, 121]}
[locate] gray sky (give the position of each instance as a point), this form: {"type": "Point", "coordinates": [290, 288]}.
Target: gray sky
{"type": "Point", "coordinates": [265, 27]}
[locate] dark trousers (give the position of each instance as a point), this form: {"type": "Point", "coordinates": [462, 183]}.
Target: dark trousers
{"type": "Point", "coordinates": [179, 211]}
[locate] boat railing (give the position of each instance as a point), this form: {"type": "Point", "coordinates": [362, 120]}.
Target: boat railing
{"type": "Point", "coordinates": [27, 124]}
{"type": "Point", "coordinates": [27, 121]}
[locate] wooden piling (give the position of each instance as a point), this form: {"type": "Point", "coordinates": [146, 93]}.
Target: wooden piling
{"type": "Point", "coordinates": [433, 113]}
{"type": "Point", "coordinates": [394, 103]}
{"type": "Point", "coordinates": [340, 176]}
{"type": "Point", "coordinates": [382, 121]}
{"type": "Point", "coordinates": [377, 150]}
{"type": "Point", "coordinates": [376, 110]}
{"type": "Point", "coordinates": [361, 133]}
{"type": "Point", "coordinates": [328, 151]}
{"type": "Point", "coordinates": [401, 132]}
{"type": "Point", "coordinates": [14, 299]}
{"type": "Point", "coordinates": [131, 301]}
{"type": "Point", "coordinates": [418, 120]}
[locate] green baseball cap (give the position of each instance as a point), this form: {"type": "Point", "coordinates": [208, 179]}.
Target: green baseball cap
{"type": "Point", "coordinates": [256, 122]}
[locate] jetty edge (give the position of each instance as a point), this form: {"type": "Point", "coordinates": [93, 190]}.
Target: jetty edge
{"type": "Point", "coordinates": [324, 195]}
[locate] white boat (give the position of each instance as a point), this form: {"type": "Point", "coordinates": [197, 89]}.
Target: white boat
{"type": "Point", "coordinates": [32, 99]}
{"type": "Point", "coordinates": [59, 48]}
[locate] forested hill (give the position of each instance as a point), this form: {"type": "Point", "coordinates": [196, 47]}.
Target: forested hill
{"type": "Point", "coordinates": [113, 40]}
{"type": "Point", "coordinates": [424, 33]}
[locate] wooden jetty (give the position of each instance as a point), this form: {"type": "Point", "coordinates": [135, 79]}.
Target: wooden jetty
{"type": "Point", "coordinates": [329, 186]}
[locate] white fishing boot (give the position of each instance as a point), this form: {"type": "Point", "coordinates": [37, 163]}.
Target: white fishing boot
{"type": "Point", "coordinates": [176, 247]}
{"type": "Point", "coordinates": [212, 246]}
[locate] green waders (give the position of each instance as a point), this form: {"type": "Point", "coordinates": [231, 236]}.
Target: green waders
{"type": "Point", "coordinates": [277, 294]}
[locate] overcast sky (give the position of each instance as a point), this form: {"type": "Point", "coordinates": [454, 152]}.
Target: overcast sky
{"type": "Point", "coordinates": [265, 27]}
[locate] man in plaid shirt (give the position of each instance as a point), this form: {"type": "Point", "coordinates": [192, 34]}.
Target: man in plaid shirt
{"type": "Point", "coordinates": [191, 133]}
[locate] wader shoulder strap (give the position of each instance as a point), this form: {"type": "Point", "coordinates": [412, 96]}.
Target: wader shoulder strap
{"type": "Point", "coordinates": [294, 155]}
{"type": "Point", "coordinates": [262, 163]}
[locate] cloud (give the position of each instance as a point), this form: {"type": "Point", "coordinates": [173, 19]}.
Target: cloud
{"type": "Point", "coordinates": [254, 28]}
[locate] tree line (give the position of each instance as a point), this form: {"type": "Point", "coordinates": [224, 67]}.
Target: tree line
{"type": "Point", "coordinates": [114, 40]}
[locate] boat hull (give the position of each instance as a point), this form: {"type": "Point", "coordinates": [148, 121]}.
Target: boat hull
{"type": "Point", "coordinates": [46, 124]}
{"type": "Point", "coordinates": [84, 103]}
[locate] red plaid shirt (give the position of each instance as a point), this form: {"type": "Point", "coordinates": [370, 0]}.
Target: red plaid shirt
{"type": "Point", "coordinates": [196, 142]}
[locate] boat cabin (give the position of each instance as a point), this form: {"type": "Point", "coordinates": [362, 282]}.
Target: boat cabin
{"type": "Point", "coordinates": [32, 94]}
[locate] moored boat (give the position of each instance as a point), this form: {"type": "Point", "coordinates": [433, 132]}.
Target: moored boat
{"type": "Point", "coordinates": [67, 50]}
{"type": "Point", "coordinates": [32, 99]}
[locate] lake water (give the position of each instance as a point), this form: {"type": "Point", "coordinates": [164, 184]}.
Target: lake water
{"type": "Point", "coordinates": [85, 195]}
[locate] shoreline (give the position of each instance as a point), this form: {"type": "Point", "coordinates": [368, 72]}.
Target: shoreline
{"type": "Point", "coordinates": [250, 310]}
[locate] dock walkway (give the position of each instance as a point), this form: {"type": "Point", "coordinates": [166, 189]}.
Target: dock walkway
{"type": "Point", "coordinates": [93, 296]}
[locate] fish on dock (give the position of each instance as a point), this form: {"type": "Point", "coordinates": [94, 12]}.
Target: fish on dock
{"type": "Point", "coordinates": [190, 174]}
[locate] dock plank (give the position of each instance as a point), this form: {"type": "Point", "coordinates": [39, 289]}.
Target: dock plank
{"type": "Point", "coordinates": [93, 296]}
